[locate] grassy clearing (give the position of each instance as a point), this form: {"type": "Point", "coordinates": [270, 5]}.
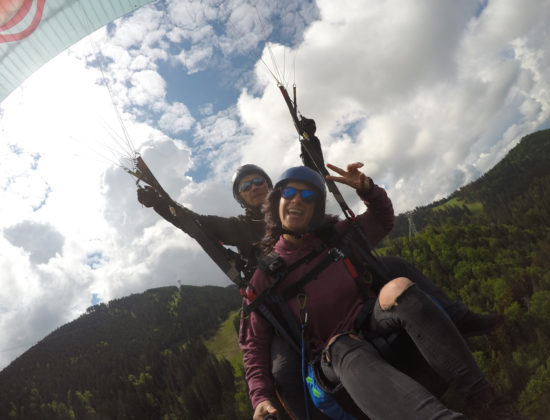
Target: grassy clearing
{"type": "Point", "coordinates": [475, 208]}
{"type": "Point", "coordinates": [225, 344]}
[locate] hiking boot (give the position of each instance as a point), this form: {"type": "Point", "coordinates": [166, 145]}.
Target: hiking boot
{"type": "Point", "coordinates": [472, 324]}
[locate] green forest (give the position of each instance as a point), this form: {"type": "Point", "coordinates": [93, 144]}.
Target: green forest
{"type": "Point", "coordinates": [140, 357]}
{"type": "Point", "coordinates": [488, 245]}
{"type": "Point", "coordinates": [150, 355]}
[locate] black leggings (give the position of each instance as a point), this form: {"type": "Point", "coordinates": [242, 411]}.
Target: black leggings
{"type": "Point", "coordinates": [382, 391]}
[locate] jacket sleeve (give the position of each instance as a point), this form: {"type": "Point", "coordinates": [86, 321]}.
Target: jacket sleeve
{"type": "Point", "coordinates": [229, 230]}
{"type": "Point", "coordinates": [224, 229]}
{"type": "Point", "coordinates": [255, 341]}
{"type": "Point", "coordinates": [162, 207]}
{"type": "Point", "coordinates": [378, 220]}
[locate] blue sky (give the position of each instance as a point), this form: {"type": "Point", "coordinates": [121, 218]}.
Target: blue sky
{"type": "Point", "coordinates": [428, 95]}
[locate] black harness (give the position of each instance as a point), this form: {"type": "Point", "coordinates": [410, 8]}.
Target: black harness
{"type": "Point", "coordinates": [271, 303]}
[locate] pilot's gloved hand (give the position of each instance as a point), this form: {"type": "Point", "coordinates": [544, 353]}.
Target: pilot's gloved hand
{"type": "Point", "coordinates": [147, 196]}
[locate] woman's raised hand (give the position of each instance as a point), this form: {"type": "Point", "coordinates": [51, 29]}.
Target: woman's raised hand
{"type": "Point", "coordinates": [352, 176]}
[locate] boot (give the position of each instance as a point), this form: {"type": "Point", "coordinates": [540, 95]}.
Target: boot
{"type": "Point", "coordinates": [472, 324]}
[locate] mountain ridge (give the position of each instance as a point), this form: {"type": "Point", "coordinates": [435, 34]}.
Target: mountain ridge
{"type": "Point", "coordinates": [528, 161]}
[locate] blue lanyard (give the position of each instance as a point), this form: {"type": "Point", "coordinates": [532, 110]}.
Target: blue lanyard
{"type": "Point", "coordinates": [303, 323]}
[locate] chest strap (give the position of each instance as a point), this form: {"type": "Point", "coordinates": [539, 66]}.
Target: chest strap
{"type": "Point", "coordinates": [269, 295]}
{"type": "Point", "coordinates": [287, 326]}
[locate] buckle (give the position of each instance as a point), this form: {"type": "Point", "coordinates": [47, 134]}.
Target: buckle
{"type": "Point", "coordinates": [336, 254]}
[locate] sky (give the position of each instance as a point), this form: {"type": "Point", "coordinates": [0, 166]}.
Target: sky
{"type": "Point", "coordinates": [429, 95]}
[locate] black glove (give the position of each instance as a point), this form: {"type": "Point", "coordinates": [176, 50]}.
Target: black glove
{"type": "Point", "coordinates": [308, 126]}
{"type": "Point", "coordinates": [147, 196]}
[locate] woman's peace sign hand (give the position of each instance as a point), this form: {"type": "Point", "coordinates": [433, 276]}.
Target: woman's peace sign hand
{"type": "Point", "coordinates": [352, 177]}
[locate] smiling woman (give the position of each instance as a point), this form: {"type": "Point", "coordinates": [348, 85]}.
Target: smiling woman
{"type": "Point", "coordinates": [330, 308]}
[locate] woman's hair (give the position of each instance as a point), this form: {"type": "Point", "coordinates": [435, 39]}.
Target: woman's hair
{"type": "Point", "coordinates": [273, 226]}
{"type": "Point", "coordinates": [320, 223]}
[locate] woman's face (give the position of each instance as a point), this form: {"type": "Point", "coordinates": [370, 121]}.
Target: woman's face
{"type": "Point", "coordinates": [294, 212]}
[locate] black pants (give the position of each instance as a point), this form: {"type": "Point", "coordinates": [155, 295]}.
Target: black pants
{"type": "Point", "coordinates": [383, 392]}
{"type": "Point", "coordinates": [286, 364]}
{"type": "Point", "coordinates": [398, 267]}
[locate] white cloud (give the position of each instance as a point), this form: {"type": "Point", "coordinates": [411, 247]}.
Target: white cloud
{"type": "Point", "coordinates": [176, 118]}
{"type": "Point", "coordinates": [196, 59]}
{"type": "Point", "coordinates": [41, 241]}
{"type": "Point", "coordinates": [147, 87]}
{"type": "Point", "coordinates": [427, 87]}
{"type": "Point", "coordinates": [141, 30]}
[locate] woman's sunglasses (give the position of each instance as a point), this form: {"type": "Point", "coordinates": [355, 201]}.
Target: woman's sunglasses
{"type": "Point", "coordinates": [246, 185]}
{"type": "Point", "coordinates": [307, 196]}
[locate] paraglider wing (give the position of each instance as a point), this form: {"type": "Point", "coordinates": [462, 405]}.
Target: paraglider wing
{"type": "Point", "coordinates": [34, 31]}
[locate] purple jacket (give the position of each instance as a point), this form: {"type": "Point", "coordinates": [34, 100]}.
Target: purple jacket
{"type": "Point", "coordinates": [332, 298]}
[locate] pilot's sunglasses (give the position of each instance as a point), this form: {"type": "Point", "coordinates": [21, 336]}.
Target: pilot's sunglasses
{"type": "Point", "coordinates": [246, 185]}
{"type": "Point", "coordinates": [307, 196]}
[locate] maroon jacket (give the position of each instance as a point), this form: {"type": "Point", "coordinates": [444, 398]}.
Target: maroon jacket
{"type": "Point", "coordinates": [332, 298]}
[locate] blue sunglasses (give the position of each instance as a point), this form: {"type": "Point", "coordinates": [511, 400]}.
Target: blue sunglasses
{"type": "Point", "coordinates": [245, 186]}
{"type": "Point", "coordinates": [307, 196]}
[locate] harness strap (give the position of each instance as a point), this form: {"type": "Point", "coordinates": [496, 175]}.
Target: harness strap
{"type": "Point", "coordinates": [363, 314]}
{"type": "Point", "coordinates": [272, 319]}
{"type": "Point", "coordinates": [274, 266]}
{"type": "Point", "coordinates": [288, 317]}
{"type": "Point", "coordinates": [334, 254]}
{"type": "Point", "coordinates": [366, 255]}
{"type": "Point", "coordinates": [291, 333]}
{"type": "Point", "coordinates": [352, 264]}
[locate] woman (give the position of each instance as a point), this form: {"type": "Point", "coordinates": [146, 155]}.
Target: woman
{"type": "Point", "coordinates": [328, 305]}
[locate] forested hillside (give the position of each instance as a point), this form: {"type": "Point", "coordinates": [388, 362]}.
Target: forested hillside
{"type": "Point", "coordinates": [489, 245]}
{"type": "Point", "coordinates": [514, 192]}
{"type": "Point", "coordinates": [140, 357]}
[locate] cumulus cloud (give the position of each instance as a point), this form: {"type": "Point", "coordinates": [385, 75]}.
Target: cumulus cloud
{"type": "Point", "coordinates": [176, 118]}
{"type": "Point", "coordinates": [147, 86]}
{"type": "Point", "coordinates": [41, 241]}
{"type": "Point", "coordinates": [414, 91]}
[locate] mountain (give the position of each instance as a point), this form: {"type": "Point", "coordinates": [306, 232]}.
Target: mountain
{"type": "Point", "coordinates": [488, 244]}
{"type": "Point", "coordinates": [514, 191]}
{"type": "Point", "coordinates": [139, 357]}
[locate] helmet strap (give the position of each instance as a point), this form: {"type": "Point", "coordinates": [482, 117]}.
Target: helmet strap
{"type": "Point", "coordinates": [294, 234]}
